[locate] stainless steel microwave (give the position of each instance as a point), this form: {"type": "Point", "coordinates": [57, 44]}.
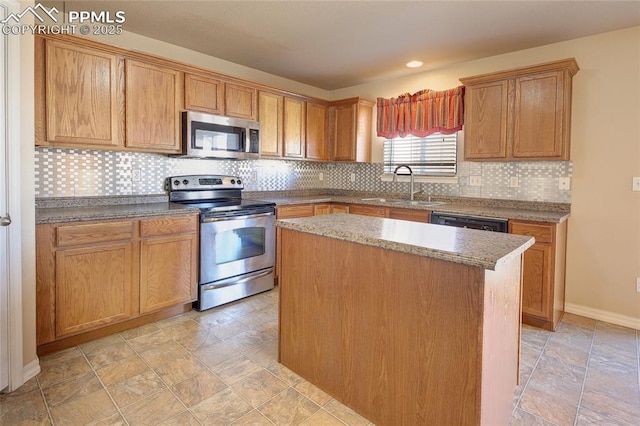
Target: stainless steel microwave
{"type": "Point", "coordinates": [215, 136]}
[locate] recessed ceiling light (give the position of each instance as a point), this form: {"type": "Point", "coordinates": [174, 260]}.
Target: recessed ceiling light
{"type": "Point", "coordinates": [414, 64]}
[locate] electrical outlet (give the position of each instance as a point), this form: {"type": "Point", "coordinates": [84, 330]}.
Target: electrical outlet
{"type": "Point", "coordinates": [638, 284]}
{"type": "Point", "coordinates": [136, 175]}
{"type": "Point", "coordinates": [564, 183]}
{"type": "Point", "coordinates": [321, 176]}
{"type": "Point", "coordinates": [636, 183]}
{"type": "Point", "coordinates": [513, 182]}
{"type": "Point", "coordinates": [254, 176]}
{"type": "Point", "coordinates": [475, 180]}
{"type": "Point", "coordinates": [353, 177]}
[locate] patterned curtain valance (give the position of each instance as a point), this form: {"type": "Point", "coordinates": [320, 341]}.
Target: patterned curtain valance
{"type": "Point", "coordinates": [422, 113]}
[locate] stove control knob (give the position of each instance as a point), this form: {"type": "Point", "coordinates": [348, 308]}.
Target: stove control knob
{"type": "Point", "coordinates": [185, 181]}
{"type": "Point", "coordinates": [239, 181]}
{"type": "Point", "coordinates": [233, 181]}
{"type": "Point", "coordinates": [176, 182]}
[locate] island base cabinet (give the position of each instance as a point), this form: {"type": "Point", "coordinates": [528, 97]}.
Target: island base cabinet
{"type": "Point", "coordinates": [399, 338]}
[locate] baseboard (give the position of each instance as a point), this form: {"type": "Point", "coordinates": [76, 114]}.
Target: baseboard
{"type": "Point", "coordinates": [31, 370]}
{"type": "Point", "coordinates": [606, 316]}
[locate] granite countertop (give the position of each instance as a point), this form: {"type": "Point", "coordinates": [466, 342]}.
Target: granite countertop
{"type": "Point", "coordinates": [488, 210]}
{"type": "Point", "coordinates": [471, 247]}
{"type": "Point", "coordinates": [77, 212]}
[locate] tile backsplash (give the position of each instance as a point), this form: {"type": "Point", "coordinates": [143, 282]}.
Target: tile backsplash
{"type": "Point", "coordinates": [79, 172]}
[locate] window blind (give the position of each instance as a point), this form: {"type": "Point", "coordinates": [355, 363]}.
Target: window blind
{"type": "Point", "coordinates": [433, 155]}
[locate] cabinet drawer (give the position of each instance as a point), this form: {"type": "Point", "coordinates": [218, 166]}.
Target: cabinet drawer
{"type": "Point", "coordinates": [74, 235]}
{"type": "Point", "coordinates": [168, 225]}
{"type": "Point", "coordinates": [542, 233]}
{"type": "Point", "coordinates": [303, 210]}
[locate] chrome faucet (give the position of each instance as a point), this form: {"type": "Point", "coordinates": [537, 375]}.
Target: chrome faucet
{"type": "Point", "coordinates": [395, 175]}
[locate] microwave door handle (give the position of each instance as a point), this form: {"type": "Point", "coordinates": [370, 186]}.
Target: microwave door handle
{"type": "Point", "coordinates": [234, 280]}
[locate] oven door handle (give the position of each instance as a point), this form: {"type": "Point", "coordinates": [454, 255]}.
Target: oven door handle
{"type": "Point", "coordinates": [234, 280]}
{"type": "Point", "coordinates": [222, 219]}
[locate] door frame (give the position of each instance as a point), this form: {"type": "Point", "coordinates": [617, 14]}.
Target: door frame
{"type": "Point", "coordinates": [10, 76]}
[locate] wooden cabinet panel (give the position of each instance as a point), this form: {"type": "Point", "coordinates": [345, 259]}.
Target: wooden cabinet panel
{"type": "Point", "coordinates": [240, 101]}
{"type": "Point", "coordinates": [536, 281]}
{"type": "Point", "coordinates": [350, 124]}
{"type": "Point", "coordinates": [168, 271]}
{"type": "Point", "coordinates": [339, 208]}
{"type": "Point", "coordinates": [93, 233]}
{"type": "Point", "coordinates": [368, 210]}
{"type": "Point", "coordinates": [153, 105]}
{"type": "Point", "coordinates": [84, 96]}
{"type": "Point", "coordinates": [319, 209]}
{"type": "Point", "coordinates": [45, 284]}
{"type": "Point", "coordinates": [168, 225]}
{"type": "Point", "coordinates": [486, 119]}
{"type": "Point", "coordinates": [317, 143]}
{"type": "Point", "coordinates": [411, 215]}
{"type": "Point", "coordinates": [294, 128]}
{"type": "Point", "coordinates": [538, 112]}
{"type": "Point", "coordinates": [520, 114]}
{"type": "Point", "coordinates": [300, 210]}
{"type": "Point", "coordinates": [270, 108]}
{"type": "Point", "coordinates": [203, 94]}
{"type": "Point", "coordinates": [93, 287]}
{"type": "Point", "coordinates": [543, 273]}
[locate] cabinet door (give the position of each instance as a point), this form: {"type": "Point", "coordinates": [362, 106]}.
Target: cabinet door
{"type": "Point", "coordinates": [538, 116]}
{"type": "Point", "coordinates": [270, 117]}
{"type": "Point", "coordinates": [240, 102]}
{"type": "Point", "coordinates": [319, 209]}
{"type": "Point", "coordinates": [84, 96]}
{"type": "Point", "coordinates": [344, 137]}
{"type": "Point", "coordinates": [368, 210]}
{"type": "Point", "coordinates": [411, 215]}
{"type": "Point", "coordinates": [154, 101]}
{"type": "Point", "coordinates": [168, 271]}
{"type": "Point", "coordinates": [203, 94]}
{"type": "Point", "coordinates": [317, 144]}
{"type": "Point", "coordinates": [339, 208]}
{"type": "Point", "coordinates": [536, 288]}
{"type": "Point", "coordinates": [486, 120]}
{"type": "Point", "coordinates": [94, 287]}
{"type": "Point", "coordinates": [294, 128]}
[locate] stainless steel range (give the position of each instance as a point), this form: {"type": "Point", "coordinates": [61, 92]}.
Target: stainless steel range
{"type": "Point", "coordinates": [237, 237]}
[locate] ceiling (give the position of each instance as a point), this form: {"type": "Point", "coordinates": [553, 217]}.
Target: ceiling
{"type": "Point", "coordinates": [336, 44]}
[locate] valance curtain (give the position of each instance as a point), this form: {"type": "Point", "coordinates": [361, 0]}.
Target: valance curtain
{"type": "Point", "coordinates": [422, 113]}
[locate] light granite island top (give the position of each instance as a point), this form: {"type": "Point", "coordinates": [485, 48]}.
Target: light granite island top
{"type": "Point", "coordinates": [406, 323]}
{"type": "Point", "coordinates": [470, 247]}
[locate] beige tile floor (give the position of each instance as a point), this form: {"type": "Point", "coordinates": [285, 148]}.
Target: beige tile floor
{"type": "Point", "coordinates": [219, 368]}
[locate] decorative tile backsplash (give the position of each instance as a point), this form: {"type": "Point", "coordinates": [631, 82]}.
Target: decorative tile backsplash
{"type": "Point", "coordinates": [79, 172]}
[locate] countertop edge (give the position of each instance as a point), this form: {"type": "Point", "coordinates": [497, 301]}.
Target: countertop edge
{"type": "Point", "coordinates": [66, 215]}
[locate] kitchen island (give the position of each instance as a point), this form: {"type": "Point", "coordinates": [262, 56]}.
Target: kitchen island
{"type": "Point", "coordinates": [406, 323]}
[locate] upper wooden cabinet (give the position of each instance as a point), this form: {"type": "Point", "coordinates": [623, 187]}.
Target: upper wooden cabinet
{"type": "Point", "coordinates": [521, 114]}
{"type": "Point", "coordinates": [153, 106]}
{"type": "Point", "coordinates": [270, 109]}
{"type": "Point", "coordinates": [350, 124]}
{"type": "Point", "coordinates": [317, 143]}
{"type": "Point", "coordinates": [240, 101]}
{"type": "Point", "coordinates": [203, 94]}
{"type": "Point", "coordinates": [294, 127]}
{"type": "Point", "coordinates": [79, 96]}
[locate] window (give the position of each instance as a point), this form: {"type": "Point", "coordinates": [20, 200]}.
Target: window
{"type": "Point", "coordinates": [433, 155]}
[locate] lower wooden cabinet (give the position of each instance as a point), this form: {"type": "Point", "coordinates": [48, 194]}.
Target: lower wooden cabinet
{"type": "Point", "coordinates": [168, 263]}
{"type": "Point", "coordinates": [91, 275]}
{"type": "Point", "coordinates": [543, 285]}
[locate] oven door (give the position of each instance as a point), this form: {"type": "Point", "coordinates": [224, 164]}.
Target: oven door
{"type": "Point", "coordinates": [232, 246]}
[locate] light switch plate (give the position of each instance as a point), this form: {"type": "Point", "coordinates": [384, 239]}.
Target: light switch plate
{"type": "Point", "coordinates": [321, 176]}
{"type": "Point", "coordinates": [564, 183]}
{"type": "Point", "coordinates": [513, 182]}
{"type": "Point", "coordinates": [636, 183]}
{"type": "Point", "coordinates": [353, 177]}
